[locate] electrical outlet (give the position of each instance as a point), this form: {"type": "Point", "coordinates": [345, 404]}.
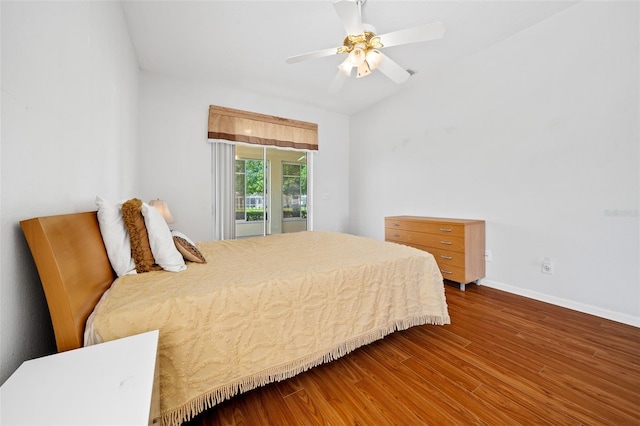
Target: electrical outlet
{"type": "Point", "coordinates": [488, 256]}
{"type": "Point", "coordinates": [547, 266]}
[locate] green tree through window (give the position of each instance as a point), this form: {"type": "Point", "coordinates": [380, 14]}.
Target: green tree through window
{"type": "Point", "coordinates": [294, 190]}
{"type": "Point", "coordinates": [249, 190]}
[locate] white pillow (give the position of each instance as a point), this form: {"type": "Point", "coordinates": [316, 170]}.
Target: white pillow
{"type": "Point", "coordinates": [115, 237]}
{"type": "Point", "coordinates": [164, 250]}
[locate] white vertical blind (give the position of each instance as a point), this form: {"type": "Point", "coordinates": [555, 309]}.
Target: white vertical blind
{"type": "Point", "coordinates": [223, 157]}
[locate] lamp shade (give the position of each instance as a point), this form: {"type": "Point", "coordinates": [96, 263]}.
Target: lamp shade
{"type": "Point", "coordinates": [163, 208]}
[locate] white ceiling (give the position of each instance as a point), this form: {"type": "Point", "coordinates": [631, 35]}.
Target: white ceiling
{"type": "Point", "coordinates": [244, 44]}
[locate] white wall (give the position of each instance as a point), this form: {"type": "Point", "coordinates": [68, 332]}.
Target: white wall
{"type": "Point", "coordinates": [175, 159]}
{"type": "Point", "coordinates": [537, 135]}
{"type": "Point", "coordinates": [69, 128]}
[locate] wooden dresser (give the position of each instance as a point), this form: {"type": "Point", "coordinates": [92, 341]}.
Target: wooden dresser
{"type": "Point", "coordinates": [457, 244]}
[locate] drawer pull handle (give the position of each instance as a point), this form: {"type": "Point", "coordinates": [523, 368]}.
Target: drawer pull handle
{"type": "Point", "coordinates": [446, 229]}
{"type": "Point", "coordinates": [448, 243]}
{"type": "Point", "coordinates": [395, 224]}
{"type": "Point", "coordinates": [446, 272]}
{"type": "Point", "coordinates": [396, 235]}
{"type": "Point", "coordinates": [446, 257]}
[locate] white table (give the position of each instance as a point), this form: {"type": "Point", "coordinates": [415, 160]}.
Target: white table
{"type": "Point", "coordinates": [110, 383]}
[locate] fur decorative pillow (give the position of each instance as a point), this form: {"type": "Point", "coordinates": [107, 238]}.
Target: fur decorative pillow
{"type": "Point", "coordinates": [138, 236]}
{"type": "Point", "coordinates": [187, 248]}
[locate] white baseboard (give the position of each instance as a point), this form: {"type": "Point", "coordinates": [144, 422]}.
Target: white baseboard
{"type": "Point", "coordinates": [576, 306]}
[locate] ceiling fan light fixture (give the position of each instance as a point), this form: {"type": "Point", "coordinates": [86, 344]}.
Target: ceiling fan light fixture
{"type": "Point", "coordinates": [357, 56]}
{"type": "Point", "coordinates": [345, 67]}
{"type": "Point", "coordinates": [363, 69]}
{"type": "Point", "coordinates": [373, 58]}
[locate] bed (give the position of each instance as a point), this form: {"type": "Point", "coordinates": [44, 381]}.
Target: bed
{"type": "Point", "coordinates": [259, 310]}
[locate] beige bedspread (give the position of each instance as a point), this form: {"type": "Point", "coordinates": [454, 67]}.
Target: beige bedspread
{"type": "Point", "coordinates": [264, 309]}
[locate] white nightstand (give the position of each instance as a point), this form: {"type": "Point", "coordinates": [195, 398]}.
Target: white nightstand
{"type": "Point", "coordinates": [112, 383]}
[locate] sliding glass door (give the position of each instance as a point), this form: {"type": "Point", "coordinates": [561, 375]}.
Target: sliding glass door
{"type": "Point", "coordinates": [270, 191]}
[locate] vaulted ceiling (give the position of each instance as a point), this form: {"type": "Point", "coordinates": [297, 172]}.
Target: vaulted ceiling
{"type": "Point", "coordinates": [244, 44]}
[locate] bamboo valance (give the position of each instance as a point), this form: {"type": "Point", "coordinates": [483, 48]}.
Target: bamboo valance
{"type": "Point", "coordinates": [250, 127]}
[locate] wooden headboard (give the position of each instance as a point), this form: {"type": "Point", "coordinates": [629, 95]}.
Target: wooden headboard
{"type": "Point", "coordinates": [74, 269]}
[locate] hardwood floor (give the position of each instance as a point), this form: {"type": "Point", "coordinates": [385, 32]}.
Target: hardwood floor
{"type": "Point", "coordinates": [504, 360]}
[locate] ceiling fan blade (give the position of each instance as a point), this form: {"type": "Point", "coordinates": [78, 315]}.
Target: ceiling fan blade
{"type": "Point", "coordinates": [349, 14]}
{"type": "Point", "coordinates": [338, 82]}
{"type": "Point", "coordinates": [392, 70]}
{"type": "Point", "coordinates": [312, 55]}
{"type": "Point", "coordinates": [426, 32]}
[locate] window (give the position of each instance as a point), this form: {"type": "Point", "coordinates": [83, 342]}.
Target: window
{"type": "Point", "coordinates": [236, 134]}
{"type": "Point", "coordinates": [294, 191]}
{"type": "Point", "coordinates": [249, 190]}
{"type": "Point", "coordinates": [270, 191]}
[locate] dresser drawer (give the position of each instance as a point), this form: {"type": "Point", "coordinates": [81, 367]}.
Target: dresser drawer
{"type": "Point", "coordinates": [453, 273]}
{"type": "Point", "coordinates": [438, 228]}
{"type": "Point", "coordinates": [446, 258]}
{"type": "Point", "coordinates": [445, 242]}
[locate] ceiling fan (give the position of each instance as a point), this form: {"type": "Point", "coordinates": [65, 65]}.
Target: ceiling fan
{"type": "Point", "coordinates": [362, 45]}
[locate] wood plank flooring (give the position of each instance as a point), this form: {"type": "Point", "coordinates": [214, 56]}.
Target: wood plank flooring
{"type": "Point", "coordinates": [504, 360]}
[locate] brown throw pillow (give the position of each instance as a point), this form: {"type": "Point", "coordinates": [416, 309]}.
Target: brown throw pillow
{"type": "Point", "coordinates": [140, 248]}
{"type": "Point", "coordinates": [186, 248]}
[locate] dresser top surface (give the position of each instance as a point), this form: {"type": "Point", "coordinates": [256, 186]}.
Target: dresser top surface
{"type": "Point", "coordinates": [434, 219]}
